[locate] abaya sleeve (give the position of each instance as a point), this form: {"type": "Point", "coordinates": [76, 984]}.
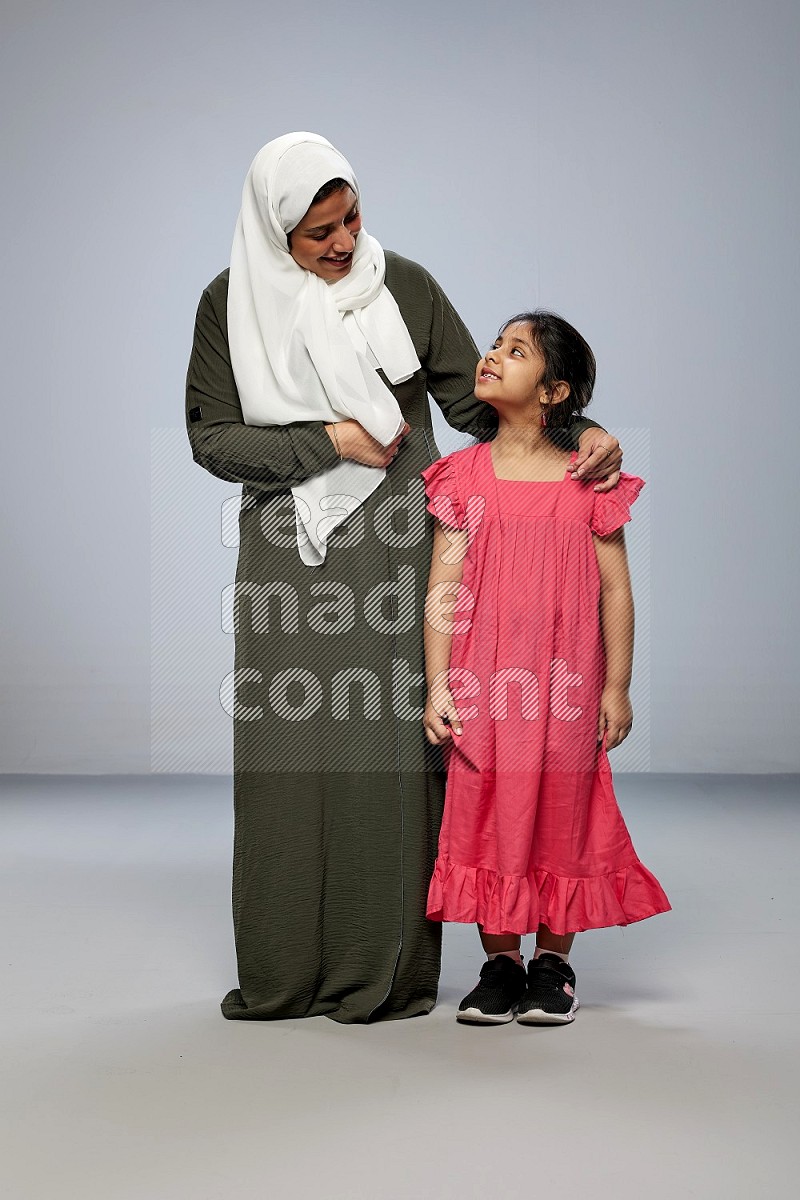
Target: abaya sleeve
{"type": "Point", "coordinates": [269, 457]}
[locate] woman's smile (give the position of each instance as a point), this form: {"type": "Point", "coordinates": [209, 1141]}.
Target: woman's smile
{"type": "Point", "coordinates": [325, 240]}
{"type": "Point", "coordinates": [339, 262]}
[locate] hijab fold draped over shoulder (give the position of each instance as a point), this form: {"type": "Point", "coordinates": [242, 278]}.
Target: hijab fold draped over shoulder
{"type": "Point", "coordinates": [303, 349]}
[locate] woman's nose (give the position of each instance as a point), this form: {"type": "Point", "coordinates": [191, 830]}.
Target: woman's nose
{"type": "Point", "coordinates": [343, 241]}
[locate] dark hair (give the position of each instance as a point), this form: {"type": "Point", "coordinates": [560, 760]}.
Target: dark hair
{"type": "Point", "coordinates": [327, 189]}
{"type": "Point", "coordinates": [568, 358]}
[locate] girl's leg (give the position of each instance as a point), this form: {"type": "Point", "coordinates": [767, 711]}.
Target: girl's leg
{"type": "Point", "coordinates": [501, 943]}
{"type": "Point", "coordinates": [550, 997]}
{"type": "Point", "coordinates": [560, 942]}
{"type": "Point", "coordinates": [501, 985]}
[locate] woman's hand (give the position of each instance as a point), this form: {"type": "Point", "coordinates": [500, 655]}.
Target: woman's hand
{"type": "Point", "coordinates": [616, 716]}
{"type": "Point", "coordinates": [440, 703]}
{"type": "Point", "coordinates": [356, 443]}
{"type": "Point", "coordinates": [599, 457]}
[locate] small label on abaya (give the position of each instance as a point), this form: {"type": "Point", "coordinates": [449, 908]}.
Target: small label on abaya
{"type": "Point", "coordinates": [195, 414]}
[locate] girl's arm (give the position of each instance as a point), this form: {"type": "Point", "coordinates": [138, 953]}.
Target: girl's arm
{"type": "Point", "coordinates": [444, 582]}
{"type": "Point", "coordinates": [616, 623]}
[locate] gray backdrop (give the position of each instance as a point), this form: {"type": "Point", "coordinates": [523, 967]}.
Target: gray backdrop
{"type": "Point", "coordinates": [632, 165]}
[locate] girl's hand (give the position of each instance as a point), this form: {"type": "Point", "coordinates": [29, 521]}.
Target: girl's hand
{"type": "Point", "coordinates": [437, 730]}
{"type": "Point", "coordinates": [599, 457]}
{"type": "Point", "coordinates": [356, 443]}
{"type": "Point", "coordinates": [616, 716]}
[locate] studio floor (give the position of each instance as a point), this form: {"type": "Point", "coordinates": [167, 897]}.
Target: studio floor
{"type": "Point", "coordinates": [677, 1079]}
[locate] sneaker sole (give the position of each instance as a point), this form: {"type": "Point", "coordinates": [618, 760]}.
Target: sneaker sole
{"type": "Point", "coordinates": [537, 1016]}
{"type": "Point", "coordinates": [474, 1016]}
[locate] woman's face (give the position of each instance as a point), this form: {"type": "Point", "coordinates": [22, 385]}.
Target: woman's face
{"type": "Point", "coordinates": [325, 238]}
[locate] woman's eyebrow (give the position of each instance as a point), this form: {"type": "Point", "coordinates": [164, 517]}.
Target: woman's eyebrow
{"type": "Point", "coordinates": [331, 225]}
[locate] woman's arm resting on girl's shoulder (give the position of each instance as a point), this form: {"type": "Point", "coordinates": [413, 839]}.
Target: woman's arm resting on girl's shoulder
{"type": "Point", "coordinates": [616, 623]}
{"type": "Point", "coordinates": [444, 581]}
{"type": "Point", "coordinates": [450, 367]}
{"type": "Point", "coordinates": [270, 457]}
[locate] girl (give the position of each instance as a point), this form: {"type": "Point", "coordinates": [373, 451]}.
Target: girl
{"type": "Point", "coordinates": [528, 652]}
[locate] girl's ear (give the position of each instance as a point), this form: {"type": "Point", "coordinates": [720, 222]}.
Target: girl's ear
{"type": "Point", "coordinates": [560, 392]}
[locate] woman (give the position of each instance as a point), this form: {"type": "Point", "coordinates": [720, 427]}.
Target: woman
{"type": "Point", "coordinates": [337, 793]}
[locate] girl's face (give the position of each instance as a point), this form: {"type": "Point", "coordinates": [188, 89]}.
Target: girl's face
{"type": "Point", "coordinates": [510, 375]}
{"type": "Point", "coordinates": [325, 239]}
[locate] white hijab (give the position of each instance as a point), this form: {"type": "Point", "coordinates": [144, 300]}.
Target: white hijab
{"type": "Point", "coordinates": [302, 349]}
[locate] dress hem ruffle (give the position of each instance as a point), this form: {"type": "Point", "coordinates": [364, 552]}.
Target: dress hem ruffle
{"type": "Point", "coordinates": [519, 904]}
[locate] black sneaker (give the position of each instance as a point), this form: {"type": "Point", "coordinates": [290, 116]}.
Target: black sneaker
{"type": "Point", "coordinates": [494, 1000]}
{"type": "Point", "coordinates": [550, 996]}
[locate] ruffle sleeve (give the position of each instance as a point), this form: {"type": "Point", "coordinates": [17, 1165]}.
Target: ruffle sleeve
{"type": "Point", "coordinates": [613, 509]}
{"type": "Point", "coordinates": [441, 488]}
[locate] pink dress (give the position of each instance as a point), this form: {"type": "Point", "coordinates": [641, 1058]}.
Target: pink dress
{"type": "Point", "coordinates": [532, 831]}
